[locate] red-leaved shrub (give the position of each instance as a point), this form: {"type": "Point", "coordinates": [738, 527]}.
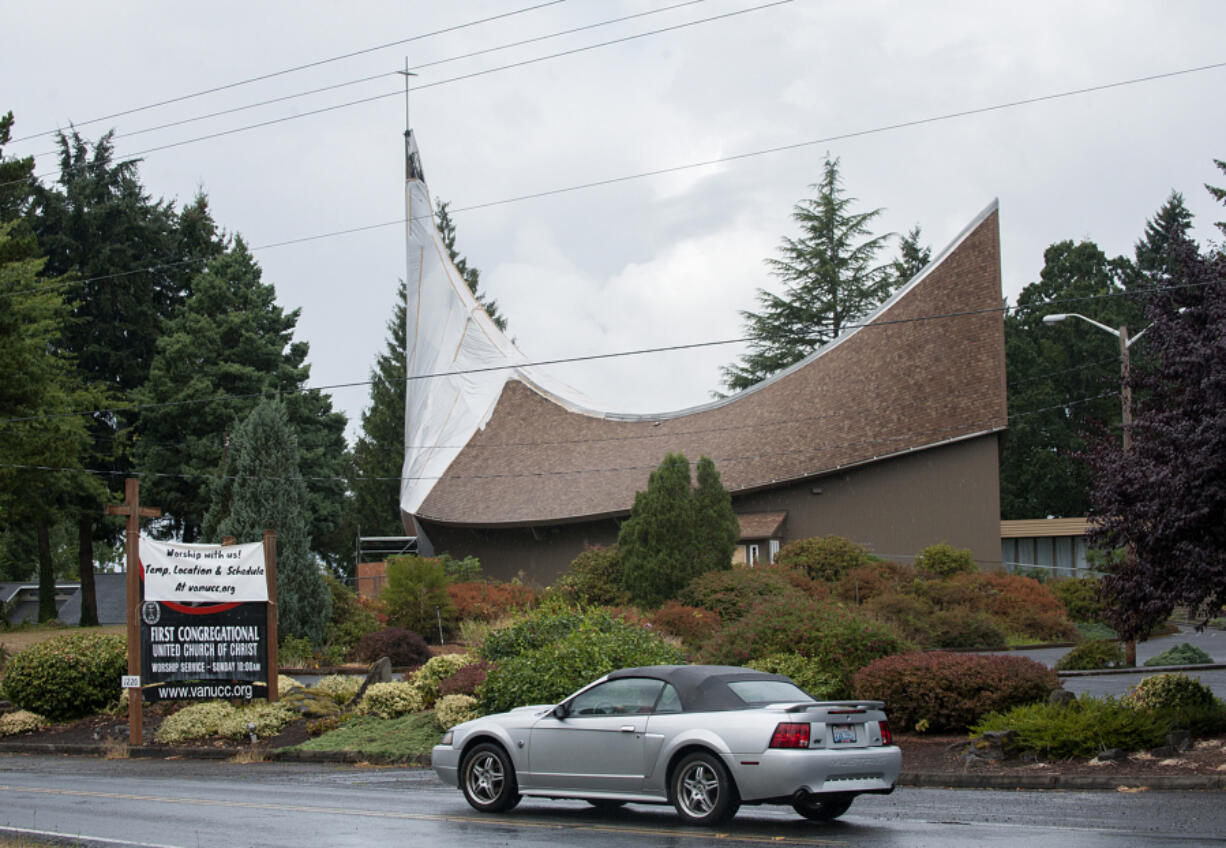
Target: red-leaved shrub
{"type": "Point", "coordinates": [949, 691]}
{"type": "Point", "coordinates": [863, 582]}
{"type": "Point", "coordinates": [730, 594]}
{"type": "Point", "coordinates": [402, 647]}
{"type": "Point", "coordinates": [692, 625]}
{"type": "Point", "coordinates": [466, 680]}
{"type": "Point", "coordinates": [489, 601]}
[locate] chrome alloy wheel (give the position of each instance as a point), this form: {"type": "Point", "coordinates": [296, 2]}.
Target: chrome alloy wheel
{"type": "Point", "coordinates": [485, 778]}
{"type": "Point", "coordinates": [700, 788]}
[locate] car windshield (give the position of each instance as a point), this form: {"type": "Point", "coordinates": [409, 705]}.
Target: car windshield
{"type": "Point", "coordinates": [757, 692]}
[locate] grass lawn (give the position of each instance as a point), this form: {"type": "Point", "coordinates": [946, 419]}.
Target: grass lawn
{"type": "Point", "coordinates": [408, 737]}
{"type": "Point", "coordinates": [15, 640]}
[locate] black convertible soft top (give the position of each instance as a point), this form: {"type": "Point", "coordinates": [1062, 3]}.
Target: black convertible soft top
{"type": "Point", "coordinates": [702, 688]}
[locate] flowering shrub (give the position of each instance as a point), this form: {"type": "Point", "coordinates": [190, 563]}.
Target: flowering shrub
{"type": "Point", "coordinates": [389, 700]}
{"type": "Point", "coordinates": [952, 691]}
{"type": "Point", "coordinates": [428, 678]}
{"type": "Point", "coordinates": [221, 718]}
{"type": "Point", "coordinates": [21, 721]}
{"type": "Point", "coordinates": [455, 709]}
{"type": "Point", "coordinates": [1169, 692]}
{"type": "Point", "coordinates": [692, 625]}
{"type": "Point", "coordinates": [402, 647]}
{"type": "Point", "coordinates": [824, 558]}
{"type": "Point", "coordinates": [339, 687]}
{"type": "Point", "coordinates": [67, 676]}
{"type": "Point", "coordinates": [480, 601]}
{"type": "Point", "coordinates": [841, 641]}
{"type": "Point", "coordinates": [466, 680]}
{"type": "Point", "coordinates": [807, 673]}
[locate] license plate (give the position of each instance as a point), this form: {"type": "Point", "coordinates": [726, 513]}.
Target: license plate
{"type": "Point", "coordinates": [842, 733]}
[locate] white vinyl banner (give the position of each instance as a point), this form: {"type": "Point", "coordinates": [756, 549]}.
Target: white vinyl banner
{"type": "Point", "coordinates": [213, 573]}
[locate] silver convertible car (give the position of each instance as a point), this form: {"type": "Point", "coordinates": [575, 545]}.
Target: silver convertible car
{"type": "Point", "coordinates": [704, 738]}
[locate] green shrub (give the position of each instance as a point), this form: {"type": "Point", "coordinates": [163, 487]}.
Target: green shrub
{"type": "Point", "coordinates": [455, 709]}
{"type": "Point", "coordinates": [807, 673]}
{"type": "Point", "coordinates": [392, 699]}
{"type": "Point", "coordinates": [957, 629]}
{"type": "Point", "coordinates": [465, 570]}
{"type": "Point", "coordinates": [841, 641]}
{"type": "Point", "coordinates": [339, 687]}
{"type": "Point", "coordinates": [1182, 654]}
{"type": "Point", "coordinates": [547, 623]}
{"type": "Point", "coordinates": [547, 674]}
{"type": "Point", "coordinates": [1079, 596]}
{"type": "Point", "coordinates": [944, 560]}
{"type": "Point", "coordinates": [221, 718]}
{"type": "Point", "coordinates": [1081, 729]}
{"type": "Point", "coordinates": [402, 647]}
{"type": "Point", "coordinates": [948, 691]}
{"type": "Point", "coordinates": [428, 678]}
{"type": "Point", "coordinates": [594, 577]}
{"type": "Point", "coordinates": [692, 625]}
{"type": "Point", "coordinates": [1097, 653]}
{"type": "Point", "coordinates": [67, 676]}
{"type": "Point", "coordinates": [1169, 692]}
{"type": "Point", "coordinates": [731, 594]}
{"type": "Point", "coordinates": [415, 596]}
{"type": "Point", "coordinates": [824, 558]}
{"type": "Point", "coordinates": [351, 618]}
{"type": "Point", "coordinates": [20, 721]}
{"type": "Point", "coordinates": [297, 652]}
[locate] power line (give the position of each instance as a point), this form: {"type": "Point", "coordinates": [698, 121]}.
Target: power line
{"type": "Point", "coordinates": [374, 77]}
{"type": "Point", "coordinates": [541, 363]}
{"type": "Point", "coordinates": [296, 68]}
{"type": "Point", "coordinates": [937, 431]}
{"type": "Point", "coordinates": [400, 92]}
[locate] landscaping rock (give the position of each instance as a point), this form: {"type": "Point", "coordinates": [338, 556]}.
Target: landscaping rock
{"type": "Point", "coordinates": [1163, 752]}
{"type": "Point", "coordinates": [380, 672]}
{"type": "Point", "coordinates": [1112, 755]}
{"type": "Point", "coordinates": [992, 747]}
{"type": "Point", "coordinates": [1061, 697]}
{"type": "Point", "coordinates": [1180, 740]}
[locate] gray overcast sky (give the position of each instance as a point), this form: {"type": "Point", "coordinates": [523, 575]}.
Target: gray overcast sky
{"type": "Point", "coordinates": [650, 262]}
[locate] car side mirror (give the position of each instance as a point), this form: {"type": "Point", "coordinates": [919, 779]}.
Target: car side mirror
{"type": "Point", "coordinates": [561, 711]}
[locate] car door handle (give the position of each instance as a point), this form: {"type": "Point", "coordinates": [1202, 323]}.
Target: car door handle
{"type": "Point", "coordinates": [627, 728]}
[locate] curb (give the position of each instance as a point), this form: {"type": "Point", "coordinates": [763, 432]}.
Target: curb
{"type": "Point", "coordinates": [919, 780]}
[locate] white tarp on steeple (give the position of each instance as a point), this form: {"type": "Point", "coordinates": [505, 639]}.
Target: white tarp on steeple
{"type": "Point", "coordinates": [458, 360]}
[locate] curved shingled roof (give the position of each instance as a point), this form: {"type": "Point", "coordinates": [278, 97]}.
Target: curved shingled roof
{"type": "Point", "coordinates": [927, 368]}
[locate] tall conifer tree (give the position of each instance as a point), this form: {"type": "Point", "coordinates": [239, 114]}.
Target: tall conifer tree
{"type": "Point", "coordinates": [830, 279]}
{"type": "Point", "coordinates": [446, 229]}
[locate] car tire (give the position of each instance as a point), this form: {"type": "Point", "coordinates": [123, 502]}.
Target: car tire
{"type": "Point", "coordinates": [823, 807]}
{"type": "Point", "coordinates": [488, 779]}
{"type": "Point", "coordinates": [702, 790]}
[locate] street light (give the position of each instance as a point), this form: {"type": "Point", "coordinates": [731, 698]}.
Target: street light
{"type": "Point", "coordinates": [1130, 647]}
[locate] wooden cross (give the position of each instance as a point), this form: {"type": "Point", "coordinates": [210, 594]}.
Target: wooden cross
{"type": "Point", "coordinates": [135, 512]}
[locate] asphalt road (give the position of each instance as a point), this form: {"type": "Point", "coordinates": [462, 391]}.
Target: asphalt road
{"type": "Point", "coordinates": [192, 803]}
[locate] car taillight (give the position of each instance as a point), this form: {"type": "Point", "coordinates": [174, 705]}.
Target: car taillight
{"type": "Point", "coordinates": [790, 735]}
{"type": "Point", "coordinates": [887, 738]}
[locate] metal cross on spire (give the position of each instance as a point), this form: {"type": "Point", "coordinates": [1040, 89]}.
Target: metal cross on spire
{"type": "Point", "coordinates": [406, 73]}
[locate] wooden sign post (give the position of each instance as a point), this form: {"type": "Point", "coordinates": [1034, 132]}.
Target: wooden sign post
{"type": "Point", "coordinates": [270, 573]}
{"type": "Point", "coordinates": [134, 512]}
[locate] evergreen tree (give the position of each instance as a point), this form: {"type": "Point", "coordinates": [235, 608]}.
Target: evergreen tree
{"type": "Point", "coordinates": [830, 280]}
{"type": "Point", "coordinates": [673, 533]}
{"type": "Point", "coordinates": [1219, 194]}
{"type": "Point", "coordinates": [913, 257]}
{"type": "Point", "coordinates": [446, 229]}
{"type": "Point", "coordinates": [716, 527]}
{"type": "Point", "coordinates": [1171, 226]}
{"type": "Point", "coordinates": [378, 454]}
{"type": "Point", "coordinates": [134, 258]}
{"type": "Point", "coordinates": [229, 345]}
{"type": "Point", "coordinates": [262, 489]}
